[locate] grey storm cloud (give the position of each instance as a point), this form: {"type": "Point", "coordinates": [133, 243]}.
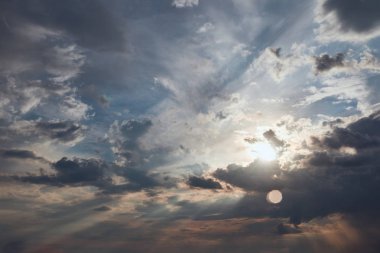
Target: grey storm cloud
{"type": "Point", "coordinates": [359, 16]}
{"type": "Point", "coordinates": [326, 62]}
{"type": "Point", "coordinates": [205, 183]}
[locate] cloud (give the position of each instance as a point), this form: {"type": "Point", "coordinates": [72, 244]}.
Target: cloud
{"type": "Point", "coordinates": [340, 89]}
{"type": "Point", "coordinates": [90, 24]}
{"type": "Point", "coordinates": [361, 134]}
{"type": "Point", "coordinates": [20, 154]}
{"type": "Point", "coordinates": [185, 3]}
{"type": "Point", "coordinates": [280, 66]}
{"type": "Point", "coordinates": [284, 228]}
{"type": "Point", "coordinates": [125, 139]}
{"type": "Point", "coordinates": [257, 176]}
{"type": "Point", "coordinates": [205, 183]}
{"type": "Point", "coordinates": [102, 209]}
{"type": "Point", "coordinates": [37, 131]}
{"type": "Point", "coordinates": [325, 62]}
{"type": "Point", "coordinates": [14, 247]}
{"type": "Point", "coordinates": [360, 16]}
{"type": "Point", "coordinates": [73, 172]}
{"type": "Point", "coordinates": [270, 135]}
{"type": "Point", "coordinates": [351, 20]}
{"type": "Point", "coordinates": [63, 131]}
{"type": "Point", "coordinates": [79, 172]}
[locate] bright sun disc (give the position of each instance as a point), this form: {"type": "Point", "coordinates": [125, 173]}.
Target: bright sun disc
{"type": "Point", "coordinates": [264, 151]}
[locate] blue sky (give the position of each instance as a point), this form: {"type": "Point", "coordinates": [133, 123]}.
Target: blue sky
{"type": "Point", "coordinates": [163, 125]}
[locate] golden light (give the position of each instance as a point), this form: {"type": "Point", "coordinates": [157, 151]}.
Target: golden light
{"type": "Point", "coordinates": [264, 151]}
{"type": "Point", "coordinates": [274, 197]}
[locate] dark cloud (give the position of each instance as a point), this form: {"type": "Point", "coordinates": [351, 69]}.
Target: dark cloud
{"type": "Point", "coordinates": [284, 228]}
{"type": "Point", "coordinates": [124, 137]}
{"type": "Point", "coordinates": [258, 176]}
{"type": "Point", "coordinates": [14, 247]}
{"type": "Point", "coordinates": [361, 134]}
{"type": "Point", "coordinates": [94, 172]}
{"type": "Point", "coordinates": [333, 123]}
{"type": "Point", "coordinates": [133, 129]}
{"type": "Point", "coordinates": [102, 209]}
{"type": "Point", "coordinates": [205, 183]}
{"type": "Point", "coordinates": [276, 51]}
{"type": "Point", "coordinates": [271, 136]}
{"type": "Point", "coordinates": [359, 16]}
{"type": "Point", "coordinates": [20, 154]}
{"type": "Point", "coordinates": [73, 172]}
{"type": "Point", "coordinates": [221, 115]}
{"type": "Point", "coordinates": [79, 170]}
{"type": "Point", "coordinates": [88, 23]}
{"type": "Point", "coordinates": [250, 140]}
{"type": "Point", "coordinates": [64, 131]}
{"type": "Point", "coordinates": [326, 62]}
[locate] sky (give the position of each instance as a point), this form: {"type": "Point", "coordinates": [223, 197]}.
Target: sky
{"type": "Point", "coordinates": [189, 126]}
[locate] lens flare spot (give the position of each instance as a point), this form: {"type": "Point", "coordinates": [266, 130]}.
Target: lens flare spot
{"type": "Point", "coordinates": [274, 197]}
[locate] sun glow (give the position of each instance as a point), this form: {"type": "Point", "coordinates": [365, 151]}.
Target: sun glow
{"type": "Point", "coordinates": [264, 151]}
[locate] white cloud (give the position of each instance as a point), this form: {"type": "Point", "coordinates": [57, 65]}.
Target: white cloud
{"type": "Point", "coordinates": [206, 27]}
{"type": "Point", "coordinates": [280, 66]}
{"type": "Point", "coordinates": [65, 63]}
{"type": "Point", "coordinates": [342, 88]}
{"type": "Point", "coordinates": [185, 3]}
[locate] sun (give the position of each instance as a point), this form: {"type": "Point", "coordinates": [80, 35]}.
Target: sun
{"type": "Point", "coordinates": [264, 151]}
